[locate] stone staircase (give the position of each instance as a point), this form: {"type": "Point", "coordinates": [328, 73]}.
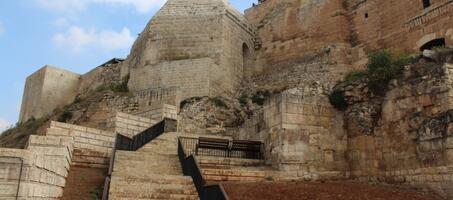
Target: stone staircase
{"type": "Point", "coordinates": [152, 172]}
{"type": "Point", "coordinates": [232, 169]}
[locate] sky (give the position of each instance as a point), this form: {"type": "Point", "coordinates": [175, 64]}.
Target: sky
{"type": "Point", "coordinates": [76, 35]}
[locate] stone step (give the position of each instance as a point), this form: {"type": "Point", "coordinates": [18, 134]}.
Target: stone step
{"type": "Point", "coordinates": [159, 150]}
{"type": "Point", "coordinates": [149, 190]}
{"type": "Point", "coordinates": [137, 155]}
{"type": "Point", "coordinates": [123, 171]}
{"type": "Point", "coordinates": [205, 160]}
{"type": "Point", "coordinates": [235, 172]}
{"type": "Point", "coordinates": [229, 167]}
{"type": "Point", "coordinates": [152, 172]}
{"type": "Point", "coordinates": [169, 145]}
{"type": "Point", "coordinates": [152, 178]}
{"type": "Point", "coordinates": [156, 197]}
{"type": "Point", "coordinates": [215, 178]}
{"type": "Point", "coordinates": [137, 185]}
{"type": "Point", "coordinates": [150, 165]}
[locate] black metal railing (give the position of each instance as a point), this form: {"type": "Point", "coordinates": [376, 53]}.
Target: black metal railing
{"type": "Point", "coordinates": [124, 143]}
{"type": "Point", "coordinates": [133, 144]}
{"type": "Point", "coordinates": [253, 150]}
{"type": "Point", "coordinates": [8, 160]}
{"type": "Point", "coordinates": [191, 168]}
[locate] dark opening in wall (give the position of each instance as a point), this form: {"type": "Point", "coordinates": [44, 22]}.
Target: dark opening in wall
{"type": "Point", "coordinates": [440, 42]}
{"type": "Point", "coordinates": [247, 60]}
{"type": "Point", "coordinates": [366, 15]}
{"type": "Point", "coordinates": [426, 3]}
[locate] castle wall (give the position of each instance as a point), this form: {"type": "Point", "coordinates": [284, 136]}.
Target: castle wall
{"type": "Point", "coordinates": [401, 24]}
{"type": "Point", "coordinates": [411, 143]}
{"type": "Point", "coordinates": [237, 48]}
{"type": "Point", "coordinates": [302, 137]}
{"type": "Point", "coordinates": [129, 125]}
{"type": "Point", "coordinates": [102, 75]}
{"type": "Point", "coordinates": [48, 89]}
{"type": "Point", "coordinates": [159, 112]}
{"type": "Point", "coordinates": [92, 147]}
{"type": "Point", "coordinates": [203, 39]}
{"type": "Point", "coordinates": [192, 77]}
{"type": "Point", "coordinates": [180, 30]}
{"type": "Point", "coordinates": [42, 168]}
{"type": "Point", "coordinates": [304, 39]}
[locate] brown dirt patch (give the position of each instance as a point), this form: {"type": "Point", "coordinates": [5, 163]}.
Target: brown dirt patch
{"type": "Point", "coordinates": [321, 191]}
{"type": "Point", "coordinates": [84, 183]}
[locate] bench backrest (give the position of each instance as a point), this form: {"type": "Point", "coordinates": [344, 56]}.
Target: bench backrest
{"type": "Point", "coordinates": [244, 145]}
{"type": "Point", "coordinates": [213, 143]}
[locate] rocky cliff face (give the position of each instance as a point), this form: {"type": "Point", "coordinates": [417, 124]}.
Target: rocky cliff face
{"type": "Point", "coordinates": [406, 135]}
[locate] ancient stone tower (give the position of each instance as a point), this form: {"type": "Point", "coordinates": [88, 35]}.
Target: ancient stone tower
{"type": "Point", "coordinates": [201, 46]}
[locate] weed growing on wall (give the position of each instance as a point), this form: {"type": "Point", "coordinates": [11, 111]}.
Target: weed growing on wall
{"type": "Point", "coordinates": [219, 102]}
{"type": "Point", "coordinates": [383, 66]}
{"type": "Point", "coordinates": [65, 116]}
{"type": "Point", "coordinates": [338, 100]}
{"type": "Point", "coordinates": [189, 101]}
{"type": "Point", "coordinates": [121, 87]}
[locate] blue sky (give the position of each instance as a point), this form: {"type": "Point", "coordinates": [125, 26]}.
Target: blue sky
{"type": "Point", "coordinates": [77, 35]}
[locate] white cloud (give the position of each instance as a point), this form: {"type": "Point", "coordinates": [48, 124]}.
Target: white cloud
{"type": "Point", "coordinates": [142, 6]}
{"type": "Point", "coordinates": [78, 39]}
{"type": "Point", "coordinates": [4, 124]}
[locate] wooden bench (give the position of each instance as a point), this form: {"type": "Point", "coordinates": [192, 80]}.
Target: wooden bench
{"type": "Point", "coordinates": [252, 149]}
{"type": "Point", "coordinates": [214, 144]}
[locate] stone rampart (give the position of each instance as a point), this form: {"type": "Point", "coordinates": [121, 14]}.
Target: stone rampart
{"type": "Point", "coordinates": [92, 147]}
{"type": "Point", "coordinates": [301, 136]}
{"type": "Point", "coordinates": [159, 112]}
{"type": "Point", "coordinates": [42, 170]}
{"type": "Point", "coordinates": [130, 125]}
{"type": "Point", "coordinates": [48, 89]}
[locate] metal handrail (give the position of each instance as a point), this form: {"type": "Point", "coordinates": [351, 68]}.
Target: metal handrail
{"type": "Point", "coordinates": [191, 168]}
{"type": "Point", "coordinates": [191, 144]}
{"type": "Point", "coordinates": [133, 144]}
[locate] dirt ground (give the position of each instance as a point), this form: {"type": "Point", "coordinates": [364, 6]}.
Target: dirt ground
{"type": "Point", "coordinates": [84, 184]}
{"type": "Point", "coordinates": [321, 191]}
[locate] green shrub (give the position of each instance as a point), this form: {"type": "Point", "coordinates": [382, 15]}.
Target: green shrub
{"type": "Point", "coordinates": [95, 193]}
{"type": "Point", "coordinates": [269, 178]}
{"type": "Point", "coordinates": [65, 116]}
{"type": "Point", "coordinates": [261, 96]}
{"type": "Point", "coordinates": [354, 76]}
{"type": "Point", "coordinates": [338, 100]}
{"type": "Point", "coordinates": [243, 99]}
{"type": "Point", "coordinates": [189, 100]}
{"type": "Point", "coordinates": [219, 102]}
{"type": "Point", "coordinates": [383, 66]}
{"type": "Point", "coordinates": [121, 87]}
{"type": "Point", "coordinates": [77, 100]}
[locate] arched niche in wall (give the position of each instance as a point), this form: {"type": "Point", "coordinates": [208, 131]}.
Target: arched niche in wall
{"type": "Point", "coordinates": [247, 60]}
{"type": "Point", "coordinates": [438, 42]}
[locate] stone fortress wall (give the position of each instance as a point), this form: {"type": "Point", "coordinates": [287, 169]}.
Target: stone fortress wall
{"type": "Point", "coordinates": [205, 47]}
{"type": "Point", "coordinates": [404, 24]}
{"type": "Point", "coordinates": [302, 135]}
{"type": "Point", "coordinates": [47, 89]}
{"type": "Point", "coordinates": [334, 37]}
{"type": "Point", "coordinates": [188, 49]}
{"type": "Point", "coordinates": [409, 145]}
{"type": "Point", "coordinates": [197, 46]}
{"type": "Point", "coordinates": [306, 41]}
